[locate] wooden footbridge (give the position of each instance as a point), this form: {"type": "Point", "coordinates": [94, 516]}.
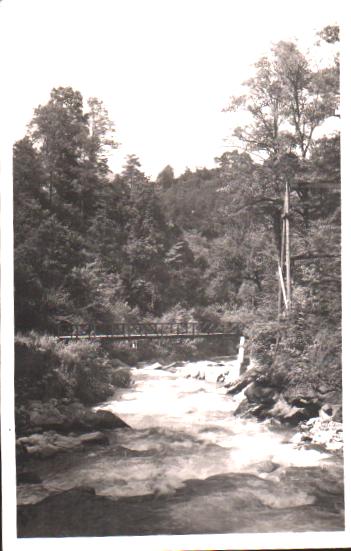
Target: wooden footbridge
{"type": "Point", "coordinates": [138, 331]}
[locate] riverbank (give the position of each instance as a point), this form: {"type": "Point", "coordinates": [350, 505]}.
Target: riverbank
{"type": "Point", "coordinates": [62, 425]}
{"type": "Point", "coordinates": [187, 466]}
{"type": "Point", "coordinates": [56, 387]}
{"type": "Point", "coordinates": [317, 422]}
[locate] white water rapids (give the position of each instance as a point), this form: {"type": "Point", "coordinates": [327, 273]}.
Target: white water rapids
{"type": "Point", "coordinates": [183, 431]}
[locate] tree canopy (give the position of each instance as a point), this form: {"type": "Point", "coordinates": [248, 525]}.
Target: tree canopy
{"type": "Point", "coordinates": [92, 246]}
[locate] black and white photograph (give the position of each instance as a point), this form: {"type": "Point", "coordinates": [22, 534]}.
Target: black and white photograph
{"type": "Point", "coordinates": [173, 325]}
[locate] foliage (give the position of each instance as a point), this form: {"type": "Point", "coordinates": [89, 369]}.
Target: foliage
{"type": "Point", "coordinates": [46, 368]}
{"type": "Point", "coordinates": [96, 248]}
{"type": "Point", "coordinates": [37, 368]}
{"type": "Point", "coordinates": [165, 178]}
{"type": "Point", "coordinates": [287, 101]}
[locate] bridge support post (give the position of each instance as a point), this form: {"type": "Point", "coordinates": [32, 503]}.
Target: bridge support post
{"type": "Point", "coordinates": [241, 351]}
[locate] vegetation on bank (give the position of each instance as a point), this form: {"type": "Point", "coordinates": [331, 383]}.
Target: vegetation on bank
{"type": "Point", "coordinates": [88, 371]}
{"type": "Point", "coordinates": [99, 248]}
{"type": "Point", "coordinates": [46, 369]}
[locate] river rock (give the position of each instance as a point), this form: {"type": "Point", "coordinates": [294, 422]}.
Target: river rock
{"type": "Point", "coordinates": [322, 432]}
{"type": "Point", "coordinates": [232, 373]}
{"type": "Point", "coordinates": [292, 405]}
{"type": "Point", "coordinates": [331, 412]}
{"type": "Point", "coordinates": [266, 467]}
{"type": "Point", "coordinates": [173, 366]}
{"type": "Point", "coordinates": [260, 394]}
{"type": "Point", "coordinates": [213, 372]}
{"type": "Point", "coordinates": [68, 417]}
{"type": "Point", "coordinates": [247, 409]}
{"type": "Point", "coordinates": [28, 477]}
{"type": "Point", "coordinates": [80, 418]}
{"type": "Point", "coordinates": [94, 438]}
{"type": "Point", "coordinates": [153, 366]}
{"type": "Point", "coordinates": [45, 415]}
{"type": "Point", "coordinates": [323, 389]}
{"type": "Point", "coordinates": [304, 397]}
{"type": "Point", "coordinates": [50, 443]}
{"type": "Point", "coordinates": [286, 412]}
{"type": "Point", "coordinates": [243, 381]}
{"type": "Point", "coordinates": [328, 394]}
{"type": "Point", "coordinates": [39, 445]}
{"type": "Point", "coordinates": [296, 394]}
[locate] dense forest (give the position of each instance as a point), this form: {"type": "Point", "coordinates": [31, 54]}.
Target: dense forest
{"type": "Point", "coordinates": [102, 248]}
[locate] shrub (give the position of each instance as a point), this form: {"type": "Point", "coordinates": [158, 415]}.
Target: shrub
{"type": "Point", "coordinates": [85, 365]}
{"type": "Point", "coordinates": [178, 314]}
{"type": "Point", "coordinates": [298, 355]}
{"type": "Point", "coordinates": [121, 377]}
{"type": "Point", "coordinates": [46, 368]}
{"type": "Point", "coordinates": [37, 373]}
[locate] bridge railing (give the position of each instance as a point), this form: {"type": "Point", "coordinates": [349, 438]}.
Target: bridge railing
{"type": "Point", "coordinates": [146, 329]}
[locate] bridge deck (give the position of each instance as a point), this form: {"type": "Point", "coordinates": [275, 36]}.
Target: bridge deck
{"type": "Point", "coordinates": [143, 330]}
{"type": "Point", "coordinates": [135, 337]}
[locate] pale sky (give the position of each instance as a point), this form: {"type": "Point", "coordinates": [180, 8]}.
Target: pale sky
{"type": "Point", "coordinates": [164, 69]}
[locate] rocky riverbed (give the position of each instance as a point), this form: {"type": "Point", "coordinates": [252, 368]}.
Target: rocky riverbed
{"type": "Point", "coordinates": [317, 415]}
{"type": "Point", "coordinates": [187, 464]}
{"type": "Point", "coordinates": [54, 427]}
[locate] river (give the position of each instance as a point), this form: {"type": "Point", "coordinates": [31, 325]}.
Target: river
{"type": "Point", "coordinates": [187, 465]}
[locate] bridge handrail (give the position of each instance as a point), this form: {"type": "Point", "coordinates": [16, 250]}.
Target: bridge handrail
{"type": "Point", "coordinates": [149, 328]}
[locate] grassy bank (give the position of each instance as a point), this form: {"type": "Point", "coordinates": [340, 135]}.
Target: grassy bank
{"type": "Point", "coordinates": [80, 371]}
{"type": "Point", "coordinates": [89, 371]}
{"type": "Point", "coordinates": [300, 357]}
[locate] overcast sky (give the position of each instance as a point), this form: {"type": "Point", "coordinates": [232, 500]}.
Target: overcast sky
{"type": "Point", "coordinates": [163, 68]}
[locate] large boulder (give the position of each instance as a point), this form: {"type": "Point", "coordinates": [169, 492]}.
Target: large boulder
{"type": "Point", "coordinates": [101, 420]}
{"type": "Point", "coordinates": [267, 397]}
{"type": "Point", "coordinates": [68, 417]}
{"type": "Point", "coordinates": [259, 393]}
{"type": "Point", "coordinates": [284, 411]}
{"type": "Point", "coordinates": [45, 415]}
{"type": "Point", "coordinates": [247, 409]}
{"type": "Point", "coordinates": [305, 398]}
{"type": "Point", "coordinates": [247, 378]}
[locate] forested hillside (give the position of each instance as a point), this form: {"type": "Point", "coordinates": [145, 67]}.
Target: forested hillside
{"type": "Point", "coordinates": [91, 246]}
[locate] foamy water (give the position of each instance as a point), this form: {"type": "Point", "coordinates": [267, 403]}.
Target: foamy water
{"type": "Point", "coordinates": [183, 429]}
{"type": "Point", "coordinates": [189, 427]}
